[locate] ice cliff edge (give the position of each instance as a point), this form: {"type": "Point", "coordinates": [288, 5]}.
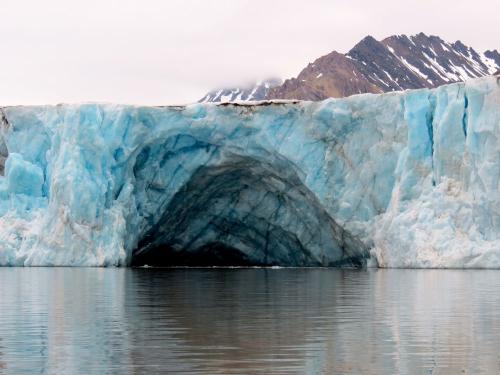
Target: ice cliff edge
{"type": "Point", "coordinates": [408, 179]}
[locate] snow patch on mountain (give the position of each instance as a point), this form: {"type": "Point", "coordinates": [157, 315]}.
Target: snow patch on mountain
{"type": "Point", "coordinates": [253, 92]}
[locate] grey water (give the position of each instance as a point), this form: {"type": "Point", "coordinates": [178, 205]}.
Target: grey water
{"type": "Point", "coordinates": [248, 321]}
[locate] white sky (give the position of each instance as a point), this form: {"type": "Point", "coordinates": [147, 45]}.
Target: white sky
{"type": "Point", "coordinates": [173, 51]}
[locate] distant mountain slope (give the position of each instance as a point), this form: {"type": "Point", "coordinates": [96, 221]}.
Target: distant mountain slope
{"type": "Point", "coordinates": [257, 91]}
{"type": "Point", "coordinates": [395, 63]}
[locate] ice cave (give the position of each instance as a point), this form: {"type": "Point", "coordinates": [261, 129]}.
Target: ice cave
{"type": "Point", "coordinates": [406, 179]}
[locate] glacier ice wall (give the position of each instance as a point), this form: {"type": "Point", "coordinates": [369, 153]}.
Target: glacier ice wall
{"type": "Point", "coordinates": [410, 179]}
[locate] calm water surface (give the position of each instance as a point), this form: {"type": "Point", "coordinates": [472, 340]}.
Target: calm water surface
{"type": "Point", "coordinates": [248, 321]}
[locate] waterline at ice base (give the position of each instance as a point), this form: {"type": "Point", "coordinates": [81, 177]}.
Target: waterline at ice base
{"type": "Point", "coordinates": [406, 179]}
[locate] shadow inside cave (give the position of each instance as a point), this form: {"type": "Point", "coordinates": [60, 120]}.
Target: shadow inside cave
{"type": "Point", "coordinates": [247, 212]}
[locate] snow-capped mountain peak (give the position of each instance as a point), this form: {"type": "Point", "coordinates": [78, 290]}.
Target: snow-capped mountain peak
{"type": "Point", "coordinates": [253, 92]}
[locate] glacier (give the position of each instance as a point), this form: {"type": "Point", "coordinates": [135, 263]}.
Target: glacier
{"type": "Point", "coordinates": [407, 179]}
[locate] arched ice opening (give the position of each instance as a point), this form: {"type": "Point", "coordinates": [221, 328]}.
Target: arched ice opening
{"type": "Point", "coordinates": [245, 211]}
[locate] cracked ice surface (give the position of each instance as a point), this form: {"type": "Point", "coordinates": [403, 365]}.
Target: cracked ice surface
{"type": "Point", "coordinates": [411, 179]}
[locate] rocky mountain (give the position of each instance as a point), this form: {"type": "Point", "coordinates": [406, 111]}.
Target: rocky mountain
{"type": "Point", "coordinates": [253, 92]}
{"type": "Point", "coordinates": [396, 63]}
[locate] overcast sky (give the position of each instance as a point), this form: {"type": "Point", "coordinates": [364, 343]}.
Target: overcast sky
{"type": "Point", "coordinates": [173, 51]}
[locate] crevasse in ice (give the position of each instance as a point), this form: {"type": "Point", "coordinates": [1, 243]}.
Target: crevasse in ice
{"type": "Point", "coordinates": [406, 179]}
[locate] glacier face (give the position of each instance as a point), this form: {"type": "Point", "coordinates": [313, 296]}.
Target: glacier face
{"type": "Point", "coordinates": [408, 179]}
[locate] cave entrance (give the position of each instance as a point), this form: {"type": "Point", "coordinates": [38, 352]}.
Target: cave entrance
{"type": "Point", "coordinates": [214, 254]}
{"type": "Point", "coordinates": [247, 212]}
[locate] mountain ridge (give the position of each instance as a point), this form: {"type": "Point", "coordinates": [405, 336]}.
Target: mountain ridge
{"type": "Point", "coordinates": [398, 62]}
{"type": "Point", "coordinates": [395, 63]}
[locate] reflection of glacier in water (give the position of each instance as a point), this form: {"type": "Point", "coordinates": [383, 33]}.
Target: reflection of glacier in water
{"type": "Point", "coordinates": [253, 321]}
{"type": "Point", "coordinates": [413, 177]}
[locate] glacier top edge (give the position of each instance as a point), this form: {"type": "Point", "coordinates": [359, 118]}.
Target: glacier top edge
{"type": "Point", "coordinates": [259, 103]}
{"type": "Point", "coordinates": [412, 178]}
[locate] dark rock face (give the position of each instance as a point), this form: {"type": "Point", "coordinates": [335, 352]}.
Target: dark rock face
{"type": "Point", "coordinates": [382, 69]}
{"type": "Point", "coordinates": [2, 165]}
{"type": "Point", "coordinates": [395, 63]}
{"type": "Point", "coordinates": [437, 62]}
{"type": "Point", "coordinates": [4, 153]}
{"type": "Point", "coordinates": [247, 212]}
{"type": "Point", "coordinates": [494, 55]}
{"type": "Point", "coordinates": [331, 75]}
